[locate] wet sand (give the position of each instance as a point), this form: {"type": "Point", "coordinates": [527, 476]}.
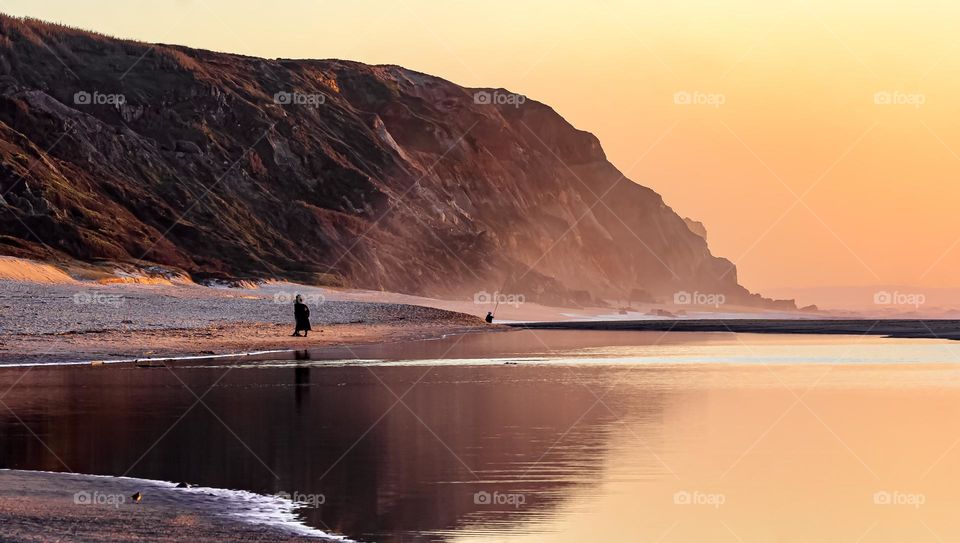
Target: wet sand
{"type": "Point", "coordinates": [902, 328]}
{"type": "Point", "coordinates": [42, 506]}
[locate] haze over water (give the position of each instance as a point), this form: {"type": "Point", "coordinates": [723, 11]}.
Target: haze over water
{"type": "Point", "coordinates": [590, 436]}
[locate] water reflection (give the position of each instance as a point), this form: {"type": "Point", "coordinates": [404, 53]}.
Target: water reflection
{"type": "Point", "coordinates": [531, 451]}
{"type": "Point", "coordinates": [385, 468]}
{"type": "Point", "coordinates": [301, 389]}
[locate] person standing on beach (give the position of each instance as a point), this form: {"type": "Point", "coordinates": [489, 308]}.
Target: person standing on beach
{"type": "Point", "coordinates": [302, 315]}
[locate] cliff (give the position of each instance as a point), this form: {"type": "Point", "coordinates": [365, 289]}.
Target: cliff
{"type": "Point", "coordinates": [328, 172]}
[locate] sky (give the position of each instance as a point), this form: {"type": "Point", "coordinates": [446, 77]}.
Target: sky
{"type": "Point", "coordinates": [815, 139]}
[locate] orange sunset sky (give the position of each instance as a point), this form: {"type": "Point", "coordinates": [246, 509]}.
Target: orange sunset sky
{"type": "Point", "coordinates": [828, 154]}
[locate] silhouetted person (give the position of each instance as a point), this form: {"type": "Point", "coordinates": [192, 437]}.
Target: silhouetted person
{"type": "Point", "coordinates": [489, 317]}
{"type": "Point", "coordinates": [302, 314]}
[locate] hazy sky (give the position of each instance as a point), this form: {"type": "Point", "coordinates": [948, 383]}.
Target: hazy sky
{"type": "Point", "coordinates": [802, 172]}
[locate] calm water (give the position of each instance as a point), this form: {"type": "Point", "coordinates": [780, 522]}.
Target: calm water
{"type": "Point", "coordinates": [546, 436]}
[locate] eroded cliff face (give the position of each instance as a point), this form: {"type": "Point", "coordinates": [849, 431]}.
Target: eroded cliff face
{"type": "Point", "coordinates": [322, 171]}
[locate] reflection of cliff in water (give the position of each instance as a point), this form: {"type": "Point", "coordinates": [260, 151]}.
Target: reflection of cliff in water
{"type": "Point", "coordinates": [333, 431]}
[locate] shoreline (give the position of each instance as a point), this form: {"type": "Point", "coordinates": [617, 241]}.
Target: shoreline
{"type": "Point", "coordinates": [404, 335]}
{"type": "Point", "coordinates": [81, 323]}
{"type": "Point", "coordinates": [40, 505]}
{"type": "Point", "coordinates": [893, 328]}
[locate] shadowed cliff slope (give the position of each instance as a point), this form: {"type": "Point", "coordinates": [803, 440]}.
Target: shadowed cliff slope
{"type": "Point", "coordinates": [328, 172]}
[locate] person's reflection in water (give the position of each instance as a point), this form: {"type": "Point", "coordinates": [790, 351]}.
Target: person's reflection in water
{"type": "Point", "coordinates": [301, 388]}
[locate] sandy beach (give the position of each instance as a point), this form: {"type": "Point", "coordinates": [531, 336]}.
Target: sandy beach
{"type": "Point", "coordinates": [81, 321]}
{"type": "Point", "coordinates": [65, 320]}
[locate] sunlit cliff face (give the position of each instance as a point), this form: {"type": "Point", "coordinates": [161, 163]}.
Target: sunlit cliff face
{"type": "Point", "coordinates": [816, 146]}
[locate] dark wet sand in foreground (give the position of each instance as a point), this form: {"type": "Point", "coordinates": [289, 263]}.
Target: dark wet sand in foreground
{"type": "Point", "coordinates": [40, 506]}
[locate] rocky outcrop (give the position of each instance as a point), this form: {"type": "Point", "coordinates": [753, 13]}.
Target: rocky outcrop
{"type": "Point", "coordinates": [329, 172]}
{"type": "Point", "coordinates": [696, 227]}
